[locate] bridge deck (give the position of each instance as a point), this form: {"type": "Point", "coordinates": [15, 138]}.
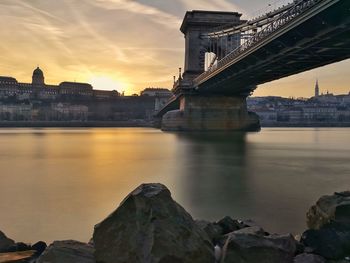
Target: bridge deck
{"type": "Point", "coordinates": [317, 38]}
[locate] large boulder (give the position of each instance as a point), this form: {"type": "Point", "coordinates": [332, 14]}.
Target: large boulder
{"type": "Point", "coordinates": [252, 246]}
{"type": "Point", "coordinates": [150, 227]}
{"type": "Point", "coordinates": [332, 241]}
{"type": "Point", "coordinates": [68, 251]}
{"type": "Point", "coordinates": [309, 258]}
{"type": "Point", "coordinates": [332, 208]}
{"type": "Point", "coordinates": [5, 243]}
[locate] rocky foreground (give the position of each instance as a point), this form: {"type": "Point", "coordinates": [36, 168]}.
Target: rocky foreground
{"type": "Point", "coordinates": [150, 227]}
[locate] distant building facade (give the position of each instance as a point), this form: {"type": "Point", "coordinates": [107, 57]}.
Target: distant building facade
{"type": "Point", "coordinates": [10, 87]}
{"type": "Point", "coordinates": [161, 95]}
{"type": "Point", "coordinates": [156, 92]}
{"type": "Point", "coordinates": [73, 101]}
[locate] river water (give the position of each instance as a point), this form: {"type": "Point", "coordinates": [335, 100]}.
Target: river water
{"type": "Point", "coordinates": [57, 184]}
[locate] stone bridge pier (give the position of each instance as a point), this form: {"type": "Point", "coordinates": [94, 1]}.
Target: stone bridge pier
{"type": "Point", "coordinates": [211, 113]}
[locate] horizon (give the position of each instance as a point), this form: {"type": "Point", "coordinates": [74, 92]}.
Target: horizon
{"type": "Point", "coordinates": [81, 41]}
{"type": "Point", "coordinates": [322, 91]}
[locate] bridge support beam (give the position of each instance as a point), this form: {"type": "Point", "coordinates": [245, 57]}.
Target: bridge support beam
{"type": "Point", "coordinates": [211, 113]}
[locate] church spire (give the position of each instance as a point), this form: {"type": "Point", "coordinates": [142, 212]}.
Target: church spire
{"type": "Point", "coordinates": [317, 89]}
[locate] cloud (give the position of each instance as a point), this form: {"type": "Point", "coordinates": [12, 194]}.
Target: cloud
{"type": "Point", "coordinates": [155, 14]}
{"type": "Point", "coordinates": [217, 5]}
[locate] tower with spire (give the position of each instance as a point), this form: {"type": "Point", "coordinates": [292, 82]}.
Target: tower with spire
{"type": "Point", "coordinates": [317, 89]}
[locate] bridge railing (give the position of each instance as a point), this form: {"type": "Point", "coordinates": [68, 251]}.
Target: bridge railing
{"type": "Point", "coordinates": [299, 7]}
{"type": "Point", "coordinates": [254, 22]}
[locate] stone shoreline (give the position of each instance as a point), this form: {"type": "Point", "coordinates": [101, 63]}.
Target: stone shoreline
{"type": "Point", "coordinates": [150, 227]}
{"type": "Point", "coordinates": [147, 124]}
{"type": "Point", "coordinates": [76, 124]}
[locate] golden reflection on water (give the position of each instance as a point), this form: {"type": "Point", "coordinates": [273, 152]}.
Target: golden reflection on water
{"type": "Point", "coordinates": [58, 183]}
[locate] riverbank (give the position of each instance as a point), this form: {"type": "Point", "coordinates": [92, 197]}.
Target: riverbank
{"type": "Point", "coordinates": [149, 124]}
{"type": "Point", "coordinates": [69, 124]}
{"type": "Point", "coordinates": [149, 226]}
{"type": "Point", "coordinates": [305, 124]}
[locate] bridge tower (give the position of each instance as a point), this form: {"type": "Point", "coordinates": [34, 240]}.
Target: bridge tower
{"type": "Point", "coordinates": [207, 112]}
{"type": "Point", "coordinates": [195, 24]}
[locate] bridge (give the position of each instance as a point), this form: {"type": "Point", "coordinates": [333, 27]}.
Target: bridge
{"type": "Point", "coordinates": [226, 58]}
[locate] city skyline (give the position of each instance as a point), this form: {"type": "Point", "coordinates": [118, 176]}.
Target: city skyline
{"type": "Point", "coordinates": [317, 85]}
{"type": "Point", "coordinates": [124, 45]}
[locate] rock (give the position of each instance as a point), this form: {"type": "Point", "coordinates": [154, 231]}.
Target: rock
{"type": "Point", "coordinates": [91, 242]}
{"type": "Point", "coordinates": [334, 208]}
{"type": "Point", "coordinates": [39, 247]}
{"type": "Point", "coordinates": [149, 226]}
{"type": "Point", "coordinates": [251, 248]}
{"type": "Point", "coordinates": [300, 248]}
{"type": "Point", "coordinates": [20, 246]}
{"type": "Point", "coordinates": [229, 225]}
{"type": "Point", "coordinates": [248, 223]}
{"type": "Point", "coordinates": [5, 243]}
{"type": "Point", "coordinates": [213, 230]}
{"type": "Point", "coordinates": [254, 230]}
{"type": "Point", "coordinates": [16, 257]}
{"type": "Point", "coordinates": [308, 250]}
{"type": "Point", "coordinates": [309, 258]}
{"type": "Point", "coordinates": [332, 241]}
{"type": "Point", "coordinates": [68, 251]}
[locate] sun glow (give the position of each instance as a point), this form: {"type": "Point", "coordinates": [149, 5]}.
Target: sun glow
{"type": "Point", "coordinates": [107, 83]}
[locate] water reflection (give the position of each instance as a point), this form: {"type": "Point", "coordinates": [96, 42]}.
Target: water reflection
{"type": "Point", "coordinates": [214, 174]}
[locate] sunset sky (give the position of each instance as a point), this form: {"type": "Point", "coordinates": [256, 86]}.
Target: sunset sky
{"type": "Point", "coordinates": [124, 44]}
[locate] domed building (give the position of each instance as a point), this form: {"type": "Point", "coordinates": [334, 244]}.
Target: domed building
{"type": "Point", "coordinates": [38, 77]}
{"type": "Point", "coordinates": [10, 87]}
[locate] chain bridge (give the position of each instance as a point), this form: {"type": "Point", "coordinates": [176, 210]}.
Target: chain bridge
{"type": "Point", "coordinates": [226, 58]}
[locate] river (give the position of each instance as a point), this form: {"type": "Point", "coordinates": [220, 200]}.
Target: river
{"type": "Point", "coordinates": [56, 184]}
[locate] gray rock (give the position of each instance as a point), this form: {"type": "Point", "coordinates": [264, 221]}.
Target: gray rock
{"type": "Point", "coordinates": [213, 230]}
{"type": "Point", "coordinates": [309, 258]}
{"type": "Point", "coordinates": [5, 242]}
{"type": "Point", "coordinates": [254, 248]}
{"type": "Point", "coordinates": [332, 241]}
{"type": "Point", "coordinates": [229, 225]}
{"type": "Point", "coordinates": [255, 230]}
{"type": "Point", "coordinates": [19, 246]}
{"type": "Point", "coordinates": [150, 227]}
{"type": "Point", "coordinates": [338, 261]}
{"type": "Point", "coordinates": [333, 208]}
{"type": "Point", "coordinates": [249, 223]}
{"type": "Point", "coordinates": [39, 247]}
{"type": "Point", "coordinates": [68, 251]}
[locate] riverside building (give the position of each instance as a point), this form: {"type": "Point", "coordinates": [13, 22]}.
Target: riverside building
{"type": "Point", "coordinates": [38, 89]}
